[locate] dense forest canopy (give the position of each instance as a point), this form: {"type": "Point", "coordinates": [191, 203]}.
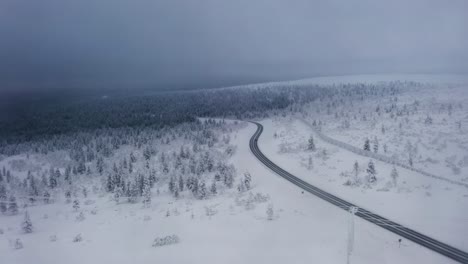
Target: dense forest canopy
{"type": "Point", "coordinates": [38, 121]}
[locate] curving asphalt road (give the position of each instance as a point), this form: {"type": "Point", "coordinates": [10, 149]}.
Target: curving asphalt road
{"type": "Point", "coordinates": [423, 240]}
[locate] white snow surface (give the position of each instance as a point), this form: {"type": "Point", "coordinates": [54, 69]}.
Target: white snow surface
{"type": "Point", "coordinates": [364, 78]}
{"type": "Point", "coordinates": [223, 229]}
{"type": "Point", "coordinates": [433, 207]}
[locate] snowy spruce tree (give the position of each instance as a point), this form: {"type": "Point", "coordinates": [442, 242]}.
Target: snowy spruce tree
{"type": "Point", "coordinates": [46, 197]}
{"type": "Point", "coordinates": [146, 193]}
{"type": "Point", "coordinates": [247, 180]}
{"type": "Point", "coordinates": [213, 189]}
{"type": "Point", "coordinates": [202, 190]}
{"type": "Point", "coordinates": [26, 225]}
{"type": "Point", "coordinates": [270, 212]}
{"type": "Point", "coordinates": [356, 171]}
{"type": "Point", "coordinates": [367, 145]}
{"type": "Point", "coordinates": [371, 172]}
{"type": "Point", "coordinates": [311, 144]}
{"type": "Point", "coordinates": [18, 244]}
{"type": "Point", "coordinates": [172, 185]}
{"type": "Point", "coordinates": [181, 183]}
{"type": "Point", "coordinates": [76, 205]}
{"type": "Point", "coordinates": [376, 145]}
{"type": "Point", "coordinates": [3, 199]}
{"type": "Point", "coordinates": [394, 176]}
{"type": "Point", "coordinates": [310, 163]}
{"type": "Point", "coordinates": [12, 206]}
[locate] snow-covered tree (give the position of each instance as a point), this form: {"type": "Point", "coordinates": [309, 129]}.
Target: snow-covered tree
{"type": "Point", "coordinates": [311, 144]}
{"type": "Point", "coordinates": [46, 197]}
{"type": "Point", "coordinates": [53, 181]}
{"type": "Point", "coordinates": [310, 163]}
{"type": "Point", "coordinates": [376, 145]}
{"type": "Point", "coordinates": [147, 194]}
{"type": "Point", "coordinates": [428, 120]}
{"type": "Point", "coordinates": [367, 145]}
{"type": "Point", "coordinates": [68, 196]}
{"type": "Point", "coordinates": [26, 225]}
{"type": "Point", "coordinates": [3, 199]}
{"type": "Point", "coordinates": [202, 190]}
{"type": "Point", "coordinates": [371, 172]}
{"type": "Point", "coordinates": [109, 183]}
{"type": "Point", "coordinates": [270, 212]}
{"type": "Point", "coordinates": [76, 204]}
{"type": "Point", "coordinates": [100, 165]}
{"type": "Point", "coordinates": [181, 183]}
{"type": "Point", "coordinates": [213, 188]}
{"type": "Point", "coordinates": [247, 180]}
{"type": "Point", "coordinates": [394, 176]}
{"type": "Point", "coordinates": [172, 185]}
{"type": "Point", "coordinates": [12, 206]}
{"type": "Point", "coordinates": [356, 169]}
{"type": "Point", "coordinates": [18, 244]}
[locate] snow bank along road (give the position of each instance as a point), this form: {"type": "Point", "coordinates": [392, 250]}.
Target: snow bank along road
{"type": "Point", "coordinates": [400, 230]}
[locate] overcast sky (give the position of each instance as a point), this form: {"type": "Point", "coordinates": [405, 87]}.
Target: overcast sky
{"type": "Point", "coordinates": [198, 43]}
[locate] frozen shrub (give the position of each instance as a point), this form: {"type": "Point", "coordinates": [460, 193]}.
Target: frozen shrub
{"type": "Point", "coordinates": [260, 198]}
{"type": "Point", "coordinates": [146, 218]}
{"type": "Point", "coordinates": [89, 202]}
{"type": "Point", "coordinates": [18, 244]}
{"type": "Point", "coordinates": [80, 217]}
{"type": "Point", "coordinates": [76, 204]}
{"type": "Point", "coordinates": [164, 241]}
{"type": "Point", "coordinates": [251, 200]}
{"type": "Point", "coordinates": [53, 238]}
{"type": "Point", "coordinates": [77, 238]}
{"type": "Point", "coordinates": [210, 211]}
{"type": "Point", "coordinates": [270, 212]}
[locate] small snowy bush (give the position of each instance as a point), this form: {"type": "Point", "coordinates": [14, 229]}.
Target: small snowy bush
{"type": "Point", "coordinates": [77, 238]}
{"type": "Point", "coordinates": [164, 241]}
{"type": "Point", "coordinates": [89, 202]}
{"type": "Point", "coordinates": [270, 212]}
{"type": "Point", "coordinates": [80, 217]}
{"type": "Point", "coordinates": [210, 211]}
{"type": "Point", "coordinates": [53, 238]}
{"type": "Point", "coordinates": [18, 244]}
{"type": "Point", "coordinates": [251, 200]}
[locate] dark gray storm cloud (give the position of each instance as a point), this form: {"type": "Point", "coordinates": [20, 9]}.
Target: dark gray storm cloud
{"type": "Point", "coordinates": [196, 43]}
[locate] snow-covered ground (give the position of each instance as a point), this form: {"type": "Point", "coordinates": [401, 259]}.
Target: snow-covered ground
{"type": "Point", "coordinates": [436, 208]}
{"type": "Point", "coordinates": [230, 228]}
{"type": "Point", "coordinates": [365, 78]}
{"type": "Point", "coordinates": [428, 124]}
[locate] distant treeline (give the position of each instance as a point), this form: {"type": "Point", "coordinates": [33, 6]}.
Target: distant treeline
{"type": "Point", "coordinates": [166, 108]}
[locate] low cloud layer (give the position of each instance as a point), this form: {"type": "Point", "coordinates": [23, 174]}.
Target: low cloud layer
{"type": "Point", "coordinates": [194, 44]}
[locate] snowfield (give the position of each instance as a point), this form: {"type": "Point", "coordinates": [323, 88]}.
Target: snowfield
{"type": "Point", "coordinates": [433, 207]}
{"type": "Point", "coordinates": [231, 228]}
{"type": "Point", "coordinates": [191, 191]}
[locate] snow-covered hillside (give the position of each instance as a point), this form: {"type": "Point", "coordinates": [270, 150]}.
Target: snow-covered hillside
{"type": "Point", "coordinates": [434, 207]}
{"type": "Point", "coordinates": [185, 189]}
{"type": "Point", "coordinates": [230, 228]}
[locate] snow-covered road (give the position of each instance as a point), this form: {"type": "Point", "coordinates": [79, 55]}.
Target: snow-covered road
{"type": "Point", "coordinates": [405, 232]}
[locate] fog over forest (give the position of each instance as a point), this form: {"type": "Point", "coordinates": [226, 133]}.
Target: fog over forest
{"type": "Point", "coordinates": [108, 44]}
